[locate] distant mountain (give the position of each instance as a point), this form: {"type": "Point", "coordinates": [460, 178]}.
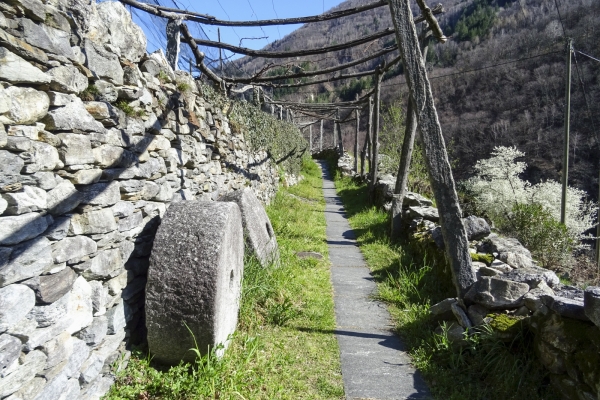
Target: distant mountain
{"type": "Point", "coordinates": [484, 96]}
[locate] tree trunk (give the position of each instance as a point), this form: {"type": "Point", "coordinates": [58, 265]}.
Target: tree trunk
{"type": "Point", "coordinates": [375, 141]}
{"type": "Point", "coordinates": [438, 166]}
{"type": "Point", "coordinates": [356, 138]}
{"type": "Point", "coordinates": [405, 159]}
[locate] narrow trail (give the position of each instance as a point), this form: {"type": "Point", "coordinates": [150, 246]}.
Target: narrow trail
{"type": "Point", "coordinates": [375, 365]}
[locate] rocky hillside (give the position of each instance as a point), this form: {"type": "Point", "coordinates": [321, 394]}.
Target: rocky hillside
{"type": "Point", "coordinates": [484, 97]}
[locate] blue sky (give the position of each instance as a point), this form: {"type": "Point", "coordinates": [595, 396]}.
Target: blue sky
{"type": "Point", "coordinates": [243, 10]}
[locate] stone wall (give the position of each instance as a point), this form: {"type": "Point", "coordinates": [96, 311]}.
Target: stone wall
{"type": "Point", "coordinates": [511, 291]}
{"type": "Point", "coordinates": [97, 138]}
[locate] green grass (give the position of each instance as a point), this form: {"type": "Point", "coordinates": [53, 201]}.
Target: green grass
{"type": "Point", "coordinates": [486, 367]}
{"type": "Point", "coordinates": [284, 347]}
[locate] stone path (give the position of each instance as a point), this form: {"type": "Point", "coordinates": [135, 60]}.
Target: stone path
{"type": "Point", "coordinates": [375, 365]}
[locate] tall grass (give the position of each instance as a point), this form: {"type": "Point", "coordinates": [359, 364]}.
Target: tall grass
{"type": "Point", "coordinates": [283, 347]}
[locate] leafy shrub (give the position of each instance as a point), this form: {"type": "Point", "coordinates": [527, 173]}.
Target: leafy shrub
{"type": "Point", "coordinates": [476, 21]}
{"type": "Point", "coordinates": [527, 211]}
{"type": "Point", "coordinates": [547, 239]}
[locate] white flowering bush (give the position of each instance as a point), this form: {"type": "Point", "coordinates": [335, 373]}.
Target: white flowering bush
{"type": "Point", "coordinates": [497, 190]}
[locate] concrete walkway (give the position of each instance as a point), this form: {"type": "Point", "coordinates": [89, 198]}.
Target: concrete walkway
{"type": "Point", "coordinates": [375, 365]}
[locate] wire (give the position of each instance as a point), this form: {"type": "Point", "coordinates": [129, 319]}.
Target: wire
{"type": "Point", "coordinates": [579, 75]}
{"type": "Point", "coordinates": [560, 18]}
{"type": "Point", "coordinates": [587, 55]}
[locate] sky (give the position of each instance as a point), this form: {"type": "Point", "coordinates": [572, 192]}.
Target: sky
{"type": "Point", "coordinates": [240, 10]}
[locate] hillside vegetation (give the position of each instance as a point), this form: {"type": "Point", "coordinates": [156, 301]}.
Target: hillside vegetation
{"type": "Point", "coordinates": [484, 98]}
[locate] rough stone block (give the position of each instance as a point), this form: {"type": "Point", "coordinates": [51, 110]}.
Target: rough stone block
{"type": "Point", "coordinates": [10, 350]}
{"type": "Point", "coordinates": [23, 105]}
{"type": "Point", "coordinates": [47, 38]}
{"type": "Point", "coordinates": [101, 194]}
{"type": "Point", "coordinates": [80, 306]}
{"type": "Point", "coordinates": [495, 293]}
{"type": "Point", "coordinates": [103, 64]}
{"type": "Point", "coordinates": [63, 198]}
{"type": "Point", "coordinates": [25, 260]}
{"type": "Point", "coordinates": [428, 213]}
{"type": "Point", "coordinates": [50, 288]}
{"type": "Point", "coordinates": [92, 222]}
{"type": "Point", "coordinates": [72, 116]}
{"type": "Point", "coordinates": [67, 78]}
{"type": "Point", "coordinates": [16, 301]}
{"type": "Point", "coordinates": [194, 279]}
{"type": "Point", "coordinates": [533, 276]}
{"type": "Point", "coordinates": [105, 265]}
{"type": "Point", "coordinates": [591, 300]}
{"type": "Point", "coordinates": [33, 363]}
{"type": "Point", "coordinates": [46, 315]}
{"type": "Point", "coordinates": [497, 244]}
{"type": "Point", "coordinates": [96, 332]}
{"type": "Point", "coordinates": [27, 200]}
{"type": "Point", "coordinates": [477, 228]}
{"type": "Point", "coordinates": [258, 231]}
{"type": "Point", "coordinates": [16, 70]}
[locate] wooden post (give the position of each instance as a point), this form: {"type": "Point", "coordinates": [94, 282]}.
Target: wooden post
{"type": "Point", "coordinates": [310, 136]}
{"type": "Point", "coordinates": [339, 132]}
{"type": "Point", "coordinates": [356, 138]}
{"type": "Point", "coordinates": [173, 32]}
{"type": "Point", "coordinates": [565, 171]}
{"type": "Point", "coordinates": [438, 166]}
{"type": "Point", "coordinates": [405, 157]}
{"type": "Point", "coordinates": [321, 138]}
{"type": "Point", "coordinates": [280, 113]}
{"type": "Point", "coordinates": [220, 50]}
{"type": "Point", "coordinates": [375, 141]}
{"type": "Point", "coordinates": [369, 143]}
{"type": "Point", "coordinates": [334, 135]}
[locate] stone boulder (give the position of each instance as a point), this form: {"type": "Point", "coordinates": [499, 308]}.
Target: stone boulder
{"type": "Point", "coordinates": [125, 35]}
{"type": "Point", "coordinates": [497, 294]}
{"type": "Point", "coordinates": [532, 276]}
{"type": "Point", "coordinates": [497, 244]}
{"type": "Point", "coordinates": [384, 190]}
{"type": "Point", "coordinates": [591, 304]}
{"type": "Point", "coordinates": [477, 228]}
{"type": "Point", "coordinates": [258, 232]}
{"type": "Point", "coordinates": [412, 199]}
{"type": "Point", "coordinates": [194, 279]}
{"type": "Point", "coordinates": [428, 213]}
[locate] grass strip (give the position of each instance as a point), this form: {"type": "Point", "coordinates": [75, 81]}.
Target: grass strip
{"type": "Point", "coordinates": [283, 347]}
{"type": "Point", "coordinates": [485, 366]}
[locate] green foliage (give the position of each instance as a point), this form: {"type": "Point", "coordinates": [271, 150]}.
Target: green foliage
{"type": "Point", "coordinates": [163, 77]}
{"type": "Point", "coordinates": [484, 258]}
{"type": "Point", "coordinates": [282, 140]}
{"type": "Point", "coordinates": [183, 87]}
{"type": "Point", "coordinates": [476, 21]}
{"type": "Point", "coordinates": [355, 86]}
{"type": "Point", "coordinates": [89, 94]}
{"type": "Point", "coordinates": [284, 347]}
{"type": "Point", "coordinates": [548, 240]}
{"type": "Point", "coordinates": [128, 110]}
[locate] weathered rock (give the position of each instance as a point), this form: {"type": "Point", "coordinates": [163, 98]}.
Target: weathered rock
{"type": "Point", "coordinates": [80, 307]}
{"type": "Point", "coordinates": [461, 316]}
{"type": "Point", "coordinates": [22, 105]}
{"type": "Point", "coordinates": [50, 288]}
{"type": "Point", "coordinates": [16, 301]}
{"type": "Point", "coordinates": [532, 276]}
{"type": "Point", "coordinates": [41, 157]}
{"type": "Point", "coordinates": [258, 231]}
{"type": "Point", "coordinates": [105, 265]}
{"type": "Point", "coordinates": [86, 176]}
{"type": "Point", "coordinates": [133, 221]}
{"type": "Point", "coordinates": [477, 228]}
{"type": "Point", "coordinates": [103, 64]}
{"type": "Point", "coordinates": [98, 388]}
{"type": "Point", "coordinates": [477, 313]}
{"type": "Point", "coordinates": [27, 200]}
{"type": "Point", "coordinates": [96, 332]}
{"type": "Point", "coordinates": [591, 300]}
{"type": "Point", "coordinates": [73, 247]}
{"type": "Point", "coordinates": [500, 266]}
{"type": "Point", "coordinates": [515, 260]}
{"type": "Point", "coordinates": [101, 194]}
{"type": "Point", "coordinates": [67, 78]}
{"type": "Point", "coordinates": [443, 309]}
{"type": "Point", "coordinates": [92, 222]}
{"type": "Point", "coordinates": [46, 315]}
{"type": "Point", "coordinates": [58, 99]}
{"type": "Point", "coordinates": [428, 213]}
{"type": "Point", "coordinates": [495, 293]}
{"type": "Point", "coordinates": [116, 318]}
{"type": "Point", "coordinates": [33, 363]}
{"type": "Point", "coordinates": [47, 38]}
{"type": "Point", "coordinates": [70, 117]}
{"type": "Point", "coordinates": [125, 35]}
{"type": "Point", "coordinates": [58, 349]}
{"type": "Point", "coordinates": [123, 209]}
{"type": "Point", "coordinates": [570, 308]}
{"type": "Point", "coordinates": [81, 352]}
{"type": "Point", "coordinates": [113, 156]}
{"type": "Point", "coordinates": [197, 244]}
{"type": "Point", "coordinates": [412, 199]}
{"type": "Point", "coordinates": [76, 149]}
{"type": "Point", "coordinates": [98, 109]}
{"type": "Point", "coordinates": [309, 254]}
{"type": "Point", "coordinates": [533, 299]}
{"type": "Point", "coordinates": [99, 298]}
{"type": "Point", "coordinates": [24, 260]}
{"type": "Point", "coordinates": [63, 198]}
{"type": "Point", "coordinates": [10, 349]}
{"type": "Point", "coordinates": [106, 91]}
{"type": "Point", "coordinates": [10, 168]}
{"type": "Point", "coordinates": [497, 244]}
{"type": "Point", "coordinates": [16, 70]}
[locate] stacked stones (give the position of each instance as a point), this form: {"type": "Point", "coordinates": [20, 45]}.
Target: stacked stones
{"type": "Point", "coordinates": [564, 319]}
{"type": "Point", "coordinates": [97, 138]}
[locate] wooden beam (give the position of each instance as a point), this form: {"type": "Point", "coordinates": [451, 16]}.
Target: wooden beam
{"type": "Point", "coordinates": [436, 157]}
{"type": "Point", "coordinates": [375, 141]}
{"type": "Point", "coordinates": [199, 56]}
{"type": "Point", "coordinates": [295, 53]}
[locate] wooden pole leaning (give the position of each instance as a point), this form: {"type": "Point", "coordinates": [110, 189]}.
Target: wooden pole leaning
{"type": "Point", "coordinates": [375, 140]}
{"type": "Point", "coordinates": [356, 138]}
{"type": "Point", "coordinates": [436, 157]}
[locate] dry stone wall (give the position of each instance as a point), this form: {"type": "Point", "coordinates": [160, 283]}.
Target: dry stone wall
{"type": "Point", "coordinates": [97, 138]}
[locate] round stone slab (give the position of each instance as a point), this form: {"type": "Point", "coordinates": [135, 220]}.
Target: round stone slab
{"type": "Point", "coordinates": [194, 279]}
{"type": "Point", "coordinates": [258, 231]}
